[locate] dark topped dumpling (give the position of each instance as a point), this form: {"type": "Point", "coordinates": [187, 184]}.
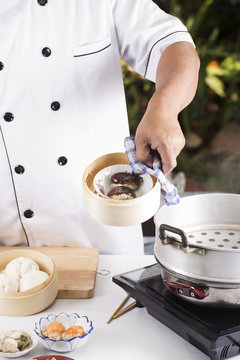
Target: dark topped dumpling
{"type": "Point", "coordinates": [121, 193]}
{"type": "Point", "coordinates": [132, 181]}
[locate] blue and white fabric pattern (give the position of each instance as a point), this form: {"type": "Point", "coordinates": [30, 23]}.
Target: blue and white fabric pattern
{"type": "Point", "coordinates": [169, 191]}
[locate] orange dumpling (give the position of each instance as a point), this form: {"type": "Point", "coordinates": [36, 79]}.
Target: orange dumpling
{"type": "Point", "coordinates": [55, 327]}
{"type": "Point", "coordinates": [74, 331]}
{"type": "Point", "coordinates": [54, 330]}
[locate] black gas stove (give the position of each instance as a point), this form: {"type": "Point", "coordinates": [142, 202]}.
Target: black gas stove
{"type": "Point", "coordinates": [214, 331]}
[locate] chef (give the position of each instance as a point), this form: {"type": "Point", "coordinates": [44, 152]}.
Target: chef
{"type": "Point", "coordinates": [63, 105]}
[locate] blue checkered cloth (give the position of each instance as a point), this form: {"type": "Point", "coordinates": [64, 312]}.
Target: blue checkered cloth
{"type": "Point", "coordinates": [169, 191]}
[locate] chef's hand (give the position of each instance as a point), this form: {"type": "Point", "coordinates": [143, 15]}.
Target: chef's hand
{"type": "Point", "coordinates": [176, 83]}
{"type": "Point", "coordinates": [159, 130]}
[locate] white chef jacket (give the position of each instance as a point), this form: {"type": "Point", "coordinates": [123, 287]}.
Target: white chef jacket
{"type": "Point", "coordinates": [63, 105]}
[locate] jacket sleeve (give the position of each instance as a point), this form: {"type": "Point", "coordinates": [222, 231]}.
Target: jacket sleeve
{"type": "Point", "coordinates": [144, 31]}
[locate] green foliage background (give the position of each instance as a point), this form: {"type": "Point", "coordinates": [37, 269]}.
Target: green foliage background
{"type": "Point", "coordinates": [215, 28]}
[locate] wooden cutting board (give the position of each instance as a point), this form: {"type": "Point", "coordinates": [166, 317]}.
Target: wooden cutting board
{"type": "Point", "coordinates": [76, 269]}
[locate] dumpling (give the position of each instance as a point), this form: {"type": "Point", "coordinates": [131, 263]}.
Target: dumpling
{"type": "Point", "coordinates": [20, 266]}
{"type": "Point", "coordinates": [9, 345]}
{"type": "Point", "coordinates": [22, 338]}
{"type": "Point", "coordinates": [54, 330]}
{"type": "Point", "coordinates": [8, 284]}
{"type": "Point", "coordinates": [133, 181]}
{"type": "Point", "coordinates": [73, 331]}
{"type": "Point", "coordinates": [1, 343]}
{"type": "Point", "coordinates": [32, 279]}
{"type": "Point", "coordinates": [121, 193]}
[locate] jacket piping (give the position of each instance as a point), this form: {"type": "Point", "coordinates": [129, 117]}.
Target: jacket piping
{"type": "Point", "coordinates": [150, 52]}
{"type": "Point", "coordinates": [94, 52]}
{"type": "Point", "coordinates": [14, 188]}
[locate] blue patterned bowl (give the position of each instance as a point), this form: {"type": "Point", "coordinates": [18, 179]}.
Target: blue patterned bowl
{"type": "Point", "coordinates": [67, 320]}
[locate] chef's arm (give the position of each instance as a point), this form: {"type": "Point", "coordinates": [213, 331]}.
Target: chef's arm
{"type": "Point", "coordinates": [176, 83]}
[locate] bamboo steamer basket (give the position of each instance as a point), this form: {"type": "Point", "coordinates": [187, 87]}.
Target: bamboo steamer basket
{"type": "Point", "coordinates": [33, 300]}
{"type": "Point", "coordinates": [117, 212]}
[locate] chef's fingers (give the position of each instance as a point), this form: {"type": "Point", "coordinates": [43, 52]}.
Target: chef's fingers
{"type": "Point", "coordinates": [168, 159]}
{"type": "Point", "coordinates": [167, 154]}
{"type": "Point", "coordinates": [143, 152]}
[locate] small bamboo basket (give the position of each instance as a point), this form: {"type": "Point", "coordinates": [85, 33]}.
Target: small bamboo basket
{"type": "Point", "coordinates": [117, 212]}
{"type": "Point", "coordinates": [33, 300]}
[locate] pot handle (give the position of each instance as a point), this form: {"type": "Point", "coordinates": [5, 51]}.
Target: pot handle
{"type": "Point", "coordinates": [165, 227]}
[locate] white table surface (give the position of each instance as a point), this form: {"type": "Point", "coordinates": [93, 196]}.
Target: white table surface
{"type": "Point", "coordinates": [134, 334]}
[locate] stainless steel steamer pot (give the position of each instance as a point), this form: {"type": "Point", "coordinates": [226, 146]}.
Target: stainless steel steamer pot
{"type": "Point", "coordinates": [198, 248]}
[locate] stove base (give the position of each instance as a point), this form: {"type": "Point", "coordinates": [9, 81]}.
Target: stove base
{"type": "Point", "coordinates": [216, 332]}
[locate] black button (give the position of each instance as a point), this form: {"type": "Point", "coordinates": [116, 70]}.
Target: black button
{"type": "Point", "coordinates": [42, 2]}
{"type": "Point", "coordinates": [28, 214]}
{"type": "Point", "coordinates": [8, 116]}
{"type": "Point", "coordinates": [46, 51]}
{"type": "Point", "coordinates": [62, 160]}
{"type": "Point", "coordinates": [19, 169]}
{"type": "Point", "coordinates": [55, 105]}
{"type": "Point", "coordinates": [1, 66]}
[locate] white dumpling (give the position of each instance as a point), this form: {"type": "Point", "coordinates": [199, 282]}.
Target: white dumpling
{"type": "Point", "coordinates": [22, 338]}
{"type": "Point", "coordinates": [1, 342]}
{"type": "Point", "coordinates": [9, 346]}
{"type": "Point", "coordinates": [32, 279]}
{"type": "Point", "coordinates": [8, 284]}
{"type": "Point", "coordinates": [20, 266]}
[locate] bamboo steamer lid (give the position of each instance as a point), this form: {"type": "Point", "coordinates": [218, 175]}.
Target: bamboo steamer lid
{"type": "Point", "coordinates": [33, 300]}
{"type": "Point", "coordinates": [117, 212]}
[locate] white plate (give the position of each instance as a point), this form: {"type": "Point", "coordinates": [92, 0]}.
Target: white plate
{"type": "Point", "coordinates": [102, 180]}
{"type": "Point", "coordinates": [20, 353]}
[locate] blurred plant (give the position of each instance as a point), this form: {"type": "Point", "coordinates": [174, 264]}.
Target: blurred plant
{"type": "Point", "coordinates": [215, 28]}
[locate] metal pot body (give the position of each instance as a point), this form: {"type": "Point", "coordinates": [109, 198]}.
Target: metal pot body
{"type": "Point", "coordinates": [202, 292]}
{"type": "Point", "coordinates": [200, 239]}
{"type": "Point", "coordinates": [199, 263]}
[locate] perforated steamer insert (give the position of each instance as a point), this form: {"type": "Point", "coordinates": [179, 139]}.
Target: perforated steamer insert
{"type": "Point", "coordinates": [199, 240]}
{"type": "Point", "coordinates": [215, 236]}
{"type": "Point", "coordinates": [194, 288]}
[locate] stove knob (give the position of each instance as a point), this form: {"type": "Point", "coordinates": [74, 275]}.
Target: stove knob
{"type": "Point", "coordinates": [192, 294]}
{"type": "Point", "coordinates": [189, 290]}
